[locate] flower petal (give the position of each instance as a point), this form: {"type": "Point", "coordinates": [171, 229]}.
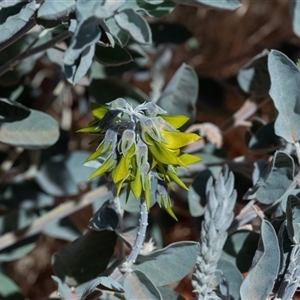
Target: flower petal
{"type": "Point", "coordinates": [177, 139]}
{"type": "Point", "coordinates": [98, 111]}
{"type": "Point", "coordinates": [122, 171]}
{"type": "Point", "coordinates": [175, 121]}
{"type": "Point", "coordinates": [160, 153]}
{"type": "Point", "coordinates": [107, 165]}
{"type": "Point", "coordinates": [188, 159]}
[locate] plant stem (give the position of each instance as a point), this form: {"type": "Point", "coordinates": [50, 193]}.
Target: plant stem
{"type": "Point", "coordinates": [140, 237]}
{"type": "Point", "coordinates": [14, 61]}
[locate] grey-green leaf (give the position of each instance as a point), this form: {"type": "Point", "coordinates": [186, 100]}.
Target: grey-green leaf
{"type": "Point", "coordinates": [51, 10]}
{"type": "Point", "coordinates": [260, 280]}
{"type": "Point", "coordinates": [38, 130]}
{"type": "Point", "coordinates": [11, 111]}
{"type": "Point", "coordinates": [221, 4]}
{"type": "Point", "coordinates": [180, 95]}
{"type": "Point", "coordinates": [102, 282]}
{"type": "Point", "coordinates": [240, 248]}
{"type": "Point", "coordinates": [293, 218]}
{"type": "Point", "coordinates": [138, 286]}
{"type": "Point", "coordinates": [159, 265]}
{"type": "Point", "coordinates": [285, 82]}
{"type": "Point", "coordinates": [275, 179]}
{"type": "Point", "coordinates": [14, 18]}
{"type": "Point", "coordinates": [80, 67]}
{"type": "Point", "coordinates": [135, 25]}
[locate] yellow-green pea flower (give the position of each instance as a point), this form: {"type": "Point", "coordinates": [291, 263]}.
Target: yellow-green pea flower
{"type": "Point", "coordinates": [140, 144]}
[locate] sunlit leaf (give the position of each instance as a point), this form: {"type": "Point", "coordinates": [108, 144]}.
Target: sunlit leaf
{"type": "Point", "coordinates": [285, 82]}
{"type": "Point", "coordinates": [260, 280]}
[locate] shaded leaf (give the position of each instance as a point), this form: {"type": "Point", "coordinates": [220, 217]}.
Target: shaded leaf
{"type": "Point", "coordinates": [274, 181]}
{"type": "Point", "coordinates": [254, 77]}
{"type": "Point", "coordinates": [138, 286]}
{"type": "Point", "coordinates": [293, 218]}
{"type": "Point", "coordinates": [239, 249]}
{"type": "Point", "coordinates": [51, 10]}
{"type": "Point", "coordinates": [285, 81]}
{"type": "Point", "coordinates": [286, 246]}
{"type": "Point", "coordinates": [112, 56]}
{"type": "Point", "coordinates": [260, 280]}
{"type": "Point", "coordinates": [14, 18]}
{"type": "Point", "coordinates": [135, 25]}
{"type": "Point", "coordinates": [265, 139]}
{"type": "Point", "coordinates": [180, 95]}
{"type": "Point", "coordinates": [81, 65]}
{"type": "Point", "coordinates": [104, 218]}
{"type": "Point", "coordinates": [159, 265]}
{"type": "Point", "coordinates": [197, 194]}
{"type": "Point", "coordinates": [11, 111]}
{"type": "Point", "coordinates": [37, 131]}
{"type": "Point", "coordinates": [233, 278]}
{"type": "Point", "coordinates": [85, 258]}
{"type": "Point", "coordinates": [102, 282]}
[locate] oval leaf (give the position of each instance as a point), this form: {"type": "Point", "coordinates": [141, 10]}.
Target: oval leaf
{"type": "Point", "coordinates": [51, 10]}
{"type": "Point", "coordinates": [180, 95]}
{"type": "Point", "coordinates": [135, 25]}
{"type": "Point", "coordinates": [37, 131]}
{"type": "Point", "coordinates": [285, 82]}
{"type": "Point", "coordinates": [159, 265]}
{"type": "Point", "coordinates": [265, 265]}
{"type": "Point", "coordinates": [274, 181]}
{"type": "Point", "coordinates": [14, 18]}
{"type": "Point", "coordinates": [85, 258]}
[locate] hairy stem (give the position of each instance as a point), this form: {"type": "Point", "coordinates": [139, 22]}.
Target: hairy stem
{"type": "Point", "coordinates": [142, 227]}
{"type": "Point", "coordinates": [16, 60]}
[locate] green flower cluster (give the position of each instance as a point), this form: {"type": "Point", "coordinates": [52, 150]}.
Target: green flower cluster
{"type": "Point", "coordinates": [138, 144]}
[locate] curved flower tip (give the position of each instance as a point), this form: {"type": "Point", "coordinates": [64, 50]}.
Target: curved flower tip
{"type": "Point", "coordinates": [137, 144]}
